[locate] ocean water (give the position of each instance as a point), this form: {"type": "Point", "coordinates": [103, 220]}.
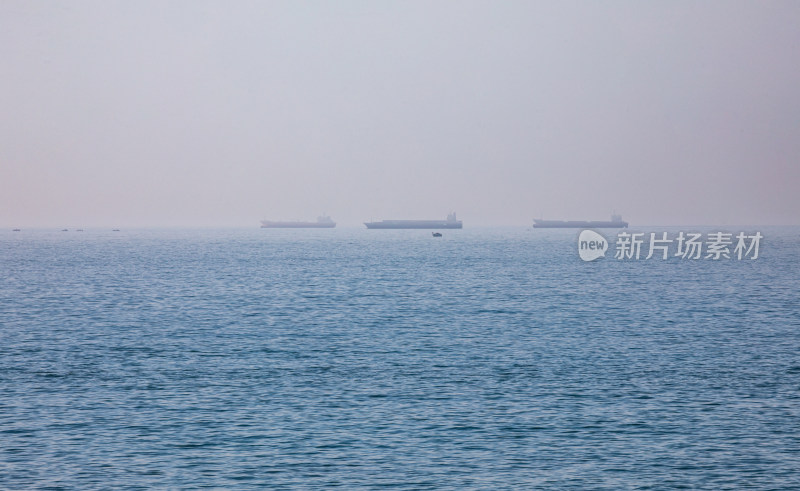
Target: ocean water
{"type": "Point", "coordinates": [315, 359]}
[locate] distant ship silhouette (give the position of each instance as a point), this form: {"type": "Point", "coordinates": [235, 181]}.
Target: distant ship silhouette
{"type": "Point", "coordinates": [615, 222]}
{"type": "Point", "coordinates": [450, 223]}
{"type": "Point", "coordinates": [322, 222]}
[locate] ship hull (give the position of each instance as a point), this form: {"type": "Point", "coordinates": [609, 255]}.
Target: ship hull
{"type": "Point", "coordinates": [296, 225]}
{"type": "Point", "coordinates": [415, 224]}
{"type": "Point", "coordinates": [578, 224]}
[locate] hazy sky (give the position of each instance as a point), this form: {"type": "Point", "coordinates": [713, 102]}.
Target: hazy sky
{"type": "Point", "coordinates": [136, 113]}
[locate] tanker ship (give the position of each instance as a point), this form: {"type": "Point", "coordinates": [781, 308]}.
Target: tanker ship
{"type": "Point", "coordinates": [322, 222]}
{"type": "Point", "coordinates": [615, 222]}
{"type": "Point", "coordinates": [449, 223]}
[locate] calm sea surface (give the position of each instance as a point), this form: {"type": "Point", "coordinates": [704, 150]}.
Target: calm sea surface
{"type": "Point", "coordinates": [489, 358]}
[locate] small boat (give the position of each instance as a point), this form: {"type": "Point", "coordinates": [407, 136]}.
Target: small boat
{"type": "Point", "coordinates": [16, 230]}
{"type": "Point", "coordinates": [115, 230]}
{"type": "Point", "coordinates": [437, 234]}
{"type": "Point", "coordinates": [79, 230]}
{"type": "Point", "coordinates": [65, 230]}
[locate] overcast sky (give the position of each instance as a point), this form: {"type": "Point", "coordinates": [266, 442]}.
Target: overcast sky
{"type": "Point", "coordinates": [137, 113]}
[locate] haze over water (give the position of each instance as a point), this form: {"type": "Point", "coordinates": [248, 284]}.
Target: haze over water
{"type": "Point", "coordinates": [207, 113]}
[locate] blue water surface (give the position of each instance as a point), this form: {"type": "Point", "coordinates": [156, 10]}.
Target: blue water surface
{"type": "Point", "coordinates": [487, 359]}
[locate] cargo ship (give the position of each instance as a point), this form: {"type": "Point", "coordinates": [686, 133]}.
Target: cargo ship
{"type": "Point", "coordinates": [322, 222]}
{"type": "Point", "coordinates": [615, 222]}
{"type": "Point", "coordinates": [449, 223]}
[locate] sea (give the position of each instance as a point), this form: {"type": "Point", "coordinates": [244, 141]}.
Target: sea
{"type": "Point", "coordinates": [489, 358]}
